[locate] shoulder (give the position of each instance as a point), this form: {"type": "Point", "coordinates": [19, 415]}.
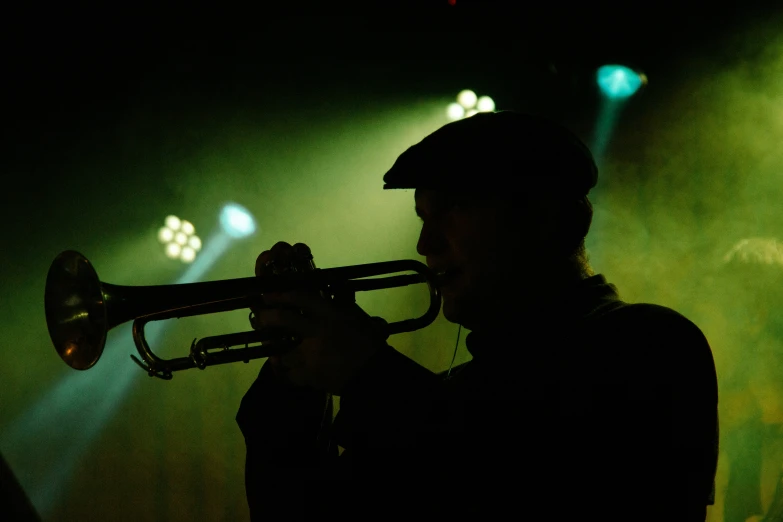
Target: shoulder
{"type": "Point", "coordinates": [665, 349]}
{"type": "Point", "coordinates": [646, 314]}
{"type": "Point", "coordinates": [655, 340]}
{"type": "Point", "coordinates": [645, 322]}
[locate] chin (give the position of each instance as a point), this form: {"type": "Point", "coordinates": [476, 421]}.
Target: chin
{"type": "Point", "coordinates": [454, 313]}
{"type": "Point", "coordinates": [450, 313]}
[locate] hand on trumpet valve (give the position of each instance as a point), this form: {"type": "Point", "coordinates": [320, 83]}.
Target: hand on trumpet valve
{"type": "Point", "coordinates": [337, 339]}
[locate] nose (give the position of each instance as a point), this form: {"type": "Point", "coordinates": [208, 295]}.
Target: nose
{"type": "Point", "coordinates": [431, 240]}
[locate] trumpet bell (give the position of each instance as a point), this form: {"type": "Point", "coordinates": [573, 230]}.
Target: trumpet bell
{"type": "Point", "coordinates": [76, 312]}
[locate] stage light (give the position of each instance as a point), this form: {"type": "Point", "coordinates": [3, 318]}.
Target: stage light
{"type": "Point", "coordinates": [165, 235]}
{"type": "Point", "coordinates": [485, 104]}
{"type": "Point", "coordinates": [78, 407]}
{"type": "Point", "coordinates": [467, 99]}
{"type": "Point", "coordinates": [237, 221]}
{"type": "Point", "coordinates": [469, 104]}
{"type": "Point", "coordinates": [173, 222]}
{"type": "Point", "coordinates": [455, 111]}
{"type": "Point", "coordinates": [173, 250]}
{"type": "Point", "coordinates": [187, 255]}
{"type": "Point", "coordinates": [618, 81]}
{"type": "Point", "coordinates": [179, 239]}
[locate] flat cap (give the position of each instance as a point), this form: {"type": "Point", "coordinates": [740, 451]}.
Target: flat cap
{"type": "Point", "coordinates": [497, 151]}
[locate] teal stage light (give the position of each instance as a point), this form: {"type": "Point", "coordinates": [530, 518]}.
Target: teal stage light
{"type": "Point", "coordinates": [618, 81]}
{"type": "Point", "coordinates": [78, 406]}
{"type": "Point", "coordinates": [236, 221]}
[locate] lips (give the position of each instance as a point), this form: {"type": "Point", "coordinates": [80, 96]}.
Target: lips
{"type": "Point", "coordinates": [444, 277]}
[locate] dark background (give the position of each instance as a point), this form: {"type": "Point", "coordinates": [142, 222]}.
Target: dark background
{"type": "Point", "coordinates": [76, 78]}
{"type": "Point", "coordinates": [104, 111]}
{"type": "Point", "coordinates": [68, 73]}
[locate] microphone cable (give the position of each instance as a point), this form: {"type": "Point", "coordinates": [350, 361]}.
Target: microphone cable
{"type": "Point", "coordinates": [453, 357]}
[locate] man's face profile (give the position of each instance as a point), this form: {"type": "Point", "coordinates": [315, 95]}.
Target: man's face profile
{"type": "Point", "coordinates": [476, 240]}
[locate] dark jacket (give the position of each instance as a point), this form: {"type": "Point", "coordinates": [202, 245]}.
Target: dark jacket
{"type": "Point", "coordinates": [587, 407]}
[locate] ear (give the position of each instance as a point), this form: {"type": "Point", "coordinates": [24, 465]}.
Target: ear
{"type": "Point", "coordinates": [573, 221]}
{"type": "Point", "coordinates": [583, 216]}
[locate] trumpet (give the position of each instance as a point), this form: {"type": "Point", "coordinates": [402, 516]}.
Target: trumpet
{"type": "Point", "coordinates": [80, 309]}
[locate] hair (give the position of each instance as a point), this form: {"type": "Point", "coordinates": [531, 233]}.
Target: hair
{"type": "Point", "coordinates": [576, 217]}
{"type": "Point", "coordinates": [581, 261]}
{"type": "Point", "coordinates": [575, 214]}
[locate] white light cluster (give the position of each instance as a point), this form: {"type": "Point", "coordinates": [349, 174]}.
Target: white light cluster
{"type": "Point", "coordinates": [179, 239]}
{"type": "Point", "coordinates": [468, 104]}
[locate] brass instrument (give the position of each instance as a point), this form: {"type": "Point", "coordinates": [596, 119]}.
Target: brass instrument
{"type": "Point", "coordinates": [80, 309]}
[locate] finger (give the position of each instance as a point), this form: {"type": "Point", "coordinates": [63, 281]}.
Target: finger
{"type": "Point", "coordinates": [281, 248]}
{"type": "Point", "coordinates": [290, 321]}
{"type": "Point", "coordinates": [280, 254]}
{"type": "Point", "coordinates": [311, 304]}
{"type": "Point", "coordinates": [261, 262]}
{"type": "Point", "coordinates": [267, 317]}
{"type": "Point", "coordinates": [292, 360]}
{"type": "Point", "coordinates": [253, 317]}
{"type": "Point", "coordinates": [287, 360]}
{"type": "Point", "coordinates": [289, 365]}
{"type": "Point", "coordinates": [302, 249]}
{"type": "Point", "coordinates": [305, 304]}
{"type": "Point", "coordinates": [302, 252]}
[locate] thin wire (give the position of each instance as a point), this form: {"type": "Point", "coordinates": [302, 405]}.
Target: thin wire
{"type": "Point", "coordinates": [324, 440]}
{"type": "Point", "coordinates": [453, 357]}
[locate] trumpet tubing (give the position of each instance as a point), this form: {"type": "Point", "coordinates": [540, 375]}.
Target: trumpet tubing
{"type": "Point", "coordinates": [80, 309]}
